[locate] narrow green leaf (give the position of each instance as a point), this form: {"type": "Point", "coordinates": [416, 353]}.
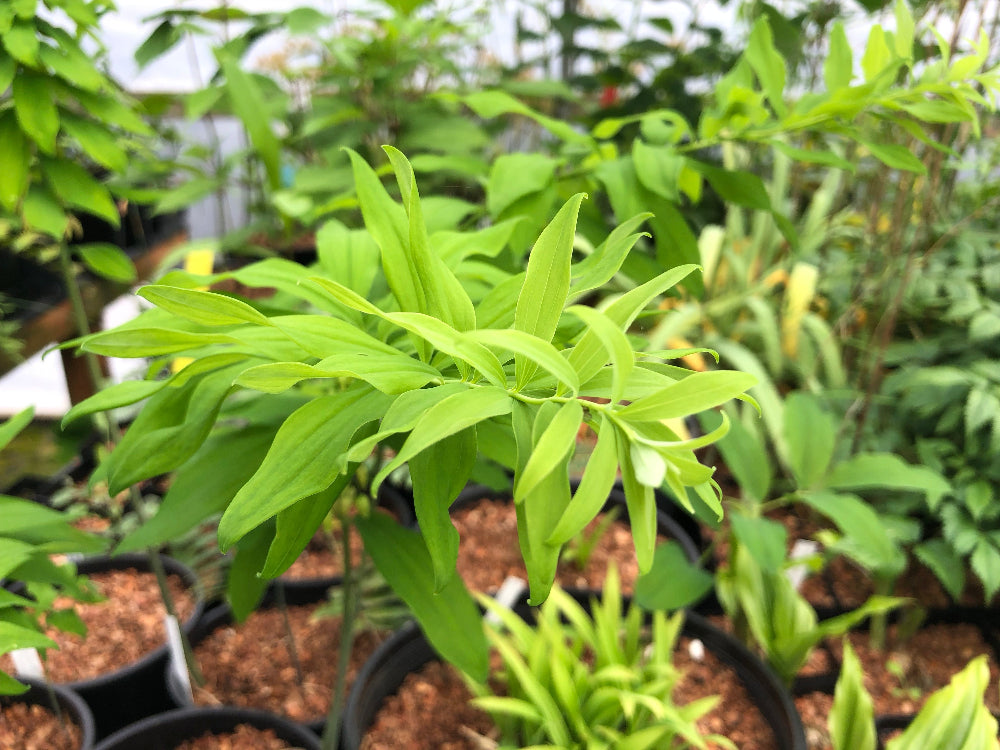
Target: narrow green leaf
{"type": "Point", "coordinates": [490, 104]}
{"type": "Point", "coordinates": [206, 308]}
{"type": "Point", "coordinates": [895, 156]}
{"type": "Point", "coordinates": [546, 283]}
{"type": "Point", "coordinates": [11, 427]}
{"type": "Point", "coordinates": [597, 269]}
{"type": "Point", "coordinates": [767, 63]}
{"type": "Point", "coordinates": [532, 348]}
{"type": "Point", "coordinates": [616, 344]}
{"type": "Point", "coordinates": [673, 581]}
{"type": "Point", "coordinates": [762, 538]}
{"type": "Point", "coordinates": [886, 471]}
{"type": "Point", "coordinates": [150, 342]}
{"type": "Point", "coordinates": [244, 587]}
{"type": "Point", "coordinates": [43, 212]}
{"type": "Point", "coordinates": [695, 393]}
{"type": "Point", "coordinates": [945, 563]}
{"type": "Point", "coordinates": [113, 397]}
{"type": "Point", "coordinates": [76, 188]}
{"type": "Point", "coordinates": [108, 261]}
{"type": "Point", "coordinates": [15, 636]}
{"type": "Point", "coordinates": [746, 457]}
{"type": "Point", "coordinates": [403, 559]}
{"type": "Point", "coordinates": [865, 535]}
{"type": "Point", "coordinates": [296, 525]}
{"type": "Point", "coordinates": [811, 432]}
{"type": "Point", "coordinates": [390, 374]}
{"type": "Point", "coordinates": [595, 486]}
{"type": "Point", "coordinates": [838, 69]}
{"type": "Point", "coordinates": [453, 414]}
{"type": "Point", "coordinates": [852, 718]}
{"type": "Point", "coordinates": [551, 449]}
{"type": "Point", "coordinates": [641, 508]}
{"type": "Point", "coordinates": [248, 102]}
{"type": "Point", "coordinates": [303, 460]}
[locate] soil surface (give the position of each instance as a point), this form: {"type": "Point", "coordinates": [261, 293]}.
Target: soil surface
{"type": "Point", "coordinates": [244, 737]}
{"type": "Point", "coordinates": [431, 711]}
{"type": "Point", "coordinates": [122, 629]}
{"type": "Point", "coordinates": [30, 727]}
{"type": "Point", "coordinates": [251, 665]}
{"type": "Point", "coordinates": [489, 552]}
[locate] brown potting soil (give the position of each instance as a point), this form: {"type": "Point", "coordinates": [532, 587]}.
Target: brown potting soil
{"type": "Point", "coordinates": [431, 711]}
{"type": "Point", "coordinates": [489, 552]}
{"type": "Point", "coordinates": [31, 727]}
{"type": "Point", "coordinates": [250, 664]}
{"type": "Point", "coordinates": [122, 629]}
{"type": "Point", "coordinates": [323, 557]}
{"type": "Point", "coordinates": [244, 737]}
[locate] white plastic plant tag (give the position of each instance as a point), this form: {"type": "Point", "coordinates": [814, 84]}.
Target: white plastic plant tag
{"type": "Point", "coordinates": [27, 663]}
{"type": "Point", "coordinates": [802, 549]}
{"type": "Point", "coordinates": [178, 664]}
{"type": "Point", "coordinates": [510, 592]}
{"type": "Point", "coordinates": [696, 649]}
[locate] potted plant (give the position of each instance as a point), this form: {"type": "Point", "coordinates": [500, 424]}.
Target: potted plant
{"type": "Point", "coordinates": [420, 372]}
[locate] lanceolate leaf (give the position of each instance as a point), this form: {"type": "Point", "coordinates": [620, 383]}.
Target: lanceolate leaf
{"type": "Point", "coordinates": [324, 336]}
{"type": "Point", "coordinates": [695, 393]}
{"type": "Point", "coordinates": [107, 260]}
{"type": "Point", "coordinates": [402, 558]}
{"type": "Point", "coordinates": [594, 488]}
{"type": "Point", "coordinates": [35, 109]}
{"type": "Point", "coordinates": [810, 432]}
{"type": "Point", "coordinates": [767, 64]}
{"type": "Point", "coordinates": [149, 342]}
{"type": "Point", "coordinates": [304, 458]}
{"type": "Point", "coordinates": [386, 373]}
{"type": "Point", "coordinates": [15, 161]}
{"type": "Point", "coordinates": [852, 719]}
{"type": "Point", "coordinates": [532, 348]}
{"type": "Point", "coordinates": [598, 268]}
{"type": "Point", "coordinates": [641, 508]}
{"type": "Point", "coordinates": [206, 308]}
{"type": "Point", "coordinates": [453, 414]}
{"type": "Point", "coordinates": [614, 341]}
{"type": "Point", "coordinates": [77, 189]}
{"type": "Point", "coordinates": [112, 397]}
{"type": "Point", "coordinates": [546, 283]}
{"type": "Point", "coordinates": [551, 449]}
{"type": "Point", "coordinates": [865, 535]}
{"type": "Point", "coordinates": [296, 525]}
{"type": "Point", "coordinates": [889, 471]}
{"type": "Point", "coordinates": [248, 102]}
{"type": "Point", "coordinates": [13, 426]}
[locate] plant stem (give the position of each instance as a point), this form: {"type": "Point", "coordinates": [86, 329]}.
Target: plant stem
{"type": "Point", "coordinates": [331, 734]}
{"type": "Point", "coordinates": [293, 651]}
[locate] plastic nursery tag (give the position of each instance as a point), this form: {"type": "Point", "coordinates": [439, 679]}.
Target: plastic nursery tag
{"type": "Point", "coordinates": [802, 549]}
{"type": "Point", "coordinates": [511, 590]}
{"type": "Point", "coordinates": [696, 649]}
{"type": "Point", "coordinates": [27, 663]}
{"type": "Point", "coordinates": [178, 664]}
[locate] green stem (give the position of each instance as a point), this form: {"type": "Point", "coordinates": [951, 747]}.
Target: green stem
{"type": "Point", "coordinates": [877, 631]}
{"type": "Point", "coordinates": [79, 312]}
{"type": "Point", "coordinates": [293, 651]}
{"type": "Point", "coordinates": [331, 734]}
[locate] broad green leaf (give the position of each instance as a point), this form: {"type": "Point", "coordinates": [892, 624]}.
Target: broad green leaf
{"type": "Point", "coordinates": [114, 110]}
{"type": "Point", "coordinates": [695, 393]}
{"type": "Point", "coordinates": [15, 162]}
{"type": "Point", "coordinates": [113, 397]}
{"type": "Point", "coordinates": [108, 261]}
{"type": "Point", "coordinates": [296, 525]}
{"type": "Point", "coordinates": [164, 37]}
{"type": "Point", "coordinates": [945, 563]}
{"type": "Point", "coordinates": [887, 471]}
{"type": "Point", "coordinates": [673, 581]}
{"type": "Point", "coordinates": [206, 308]}
{"type": "Point", "coordinates": [551, 449]}
{"type": "Point", "coordinates": [204, 485]}
{"type": "Point", "coordinates": [169, 429]}
{"type": "Point", "coordinates": [71, 64]}
{"type": "Point", "coordinates": [895, 156]}
{"type": "Point", "coordinates": [904, 34]}
{"type": "Point", "coordinates": [866, 539]}
{"type": "Point", "coordinates": [615, 343]}
{"type": "Point", "coordinates": [735, 186]}
{"type": "Point", "coordinates": [532, 348]}
{"type": "Point", "coordinates": [595, 486]}
{"type": "Point", "coordinates": [514, 176]}
{"type": "Point", "coordinates": [303, 459]}
{"type": "Point", "coordinates": [99, 143]}
{"type": "Point", "coordinates": [350, 257]}
{"type": "Point", "coordinates": [434, 490]}
{"type": "Point", "coordinates": [11, 427]}
{"type": "Point", "coordinates": [877, 55]}
{"type": "Point", "coordinates": [36, 110]}
{"type": "Point", "coordinates": [985, 561]}
{"type": "Point", "coordinates": [15, 636]}
{"type": "Point", "coordinates": [43, 212]}
{"type": "Point", "coordinates": [12, 554]}
{"type": "Point", "coordinates": [767, 64]}
{"type": "Point", "coordinates": [658, 168]}
{"type": "Point", "coordinates": [546, 283]}
{"type": "Point", "coordinates": [403, 559]}
{"type": "Point", "coordinates": [244, 587]}
{"type": "Point", "coordinates": [676, 244]}
{"type": "Point", "coordinates": [149, 342]}
{"type": "Point", "coordinates": [852, 718]}
{"type": "Point", "coordinates": [762, 538]}
{"type": "Point", "coordinates": [248, 102]}
{"type": "Point", "coordinates": [21, 41]}
{"type": "Point", "coordinates": [8, 685]}
{"type": "Point", "coordinates": [747, 459]}
{"type": "Point", "coordinates": [447, 417]}
{"type": "Point", "coordinates": [490, 104]}
{"type": "Point", "coordinates": [811, 434]}
{"type": "Point", "coordinates": [76, 188]}
{"type": "Point", "coordinates": [955, 716]}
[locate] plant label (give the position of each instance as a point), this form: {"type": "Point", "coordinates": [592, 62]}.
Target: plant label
{"type": "Point", "coordinates": [801, 550]}
{"type": "Point", "coordinates": [178, 664]}
{"type": "Point", "coordinates": [511, 590]}
{"type": "Point", "coordinates": [27, 663]}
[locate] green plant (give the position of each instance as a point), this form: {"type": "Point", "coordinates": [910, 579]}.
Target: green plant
{"type": "Point", "coordinates": [955, 716]}
{"type": "Point", "coordinates": [31, 534]}
{"type": "Point", "coordinates": [602, 679]}
{"type": "Point", "coordinates": [430, 375]}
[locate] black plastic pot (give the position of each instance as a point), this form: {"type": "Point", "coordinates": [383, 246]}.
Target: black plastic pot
{"type": "Point", "coordinates": [221, 616]}
{"type": "Point", "coordinates": [407, 650]}
{"type": "Point", "coordinates": [166, 731]}
{"type": "Point", "coordinates": [137, 690]}
{"type": "Point", "coordinates": [71, 705]}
